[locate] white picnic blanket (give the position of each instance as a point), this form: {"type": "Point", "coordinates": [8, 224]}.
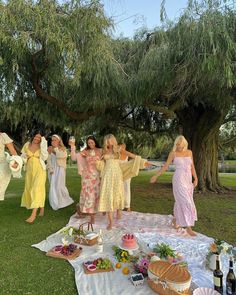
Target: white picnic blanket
{"type": "Point", "coordinates": [149, 229]}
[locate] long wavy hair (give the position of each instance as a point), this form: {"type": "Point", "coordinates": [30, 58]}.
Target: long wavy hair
{"type": "Point", "coordinates": [115, 144]}
{"type": "Point", "coordinates": [61, 144]}
{"type": "Point", "coordinates": [181, 139]}
{"type": "Point", "coordinates": [32, 135]}
{"type": "Point", "coordinates": [91, 137]}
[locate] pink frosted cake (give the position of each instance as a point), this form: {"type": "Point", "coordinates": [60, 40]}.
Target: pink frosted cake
{"type": "Point", "coordinates": [129, 241]}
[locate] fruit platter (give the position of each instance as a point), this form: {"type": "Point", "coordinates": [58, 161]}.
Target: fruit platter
{"type": "Point", "coordinates": [68, 252]}
{"type": "Point", "coordinates": [98, 265]}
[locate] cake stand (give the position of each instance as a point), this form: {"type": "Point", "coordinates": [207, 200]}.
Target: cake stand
{"type": "Point", "coordinates": [129, 250]}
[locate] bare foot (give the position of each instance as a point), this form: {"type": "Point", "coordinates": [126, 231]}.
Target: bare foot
{"type": "Point", "coordinates": [109, 227]}
{"type": "Point", "coordinates": [128, 210]}
{"type": "Point", "coordinates": [41, 213]}
{"type": "Point", "coordinates": [174, 224]}
{"type": "Point", "coordinates": [191, 232]}
{"type": "Point", "coordinates": [31, 219]}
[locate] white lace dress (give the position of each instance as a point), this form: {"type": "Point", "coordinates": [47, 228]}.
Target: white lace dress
{"type": "Point", "coordinates": [5, 173]}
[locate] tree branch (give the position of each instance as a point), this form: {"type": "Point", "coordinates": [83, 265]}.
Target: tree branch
{"type": "Point", "coordinates": [74, 115]}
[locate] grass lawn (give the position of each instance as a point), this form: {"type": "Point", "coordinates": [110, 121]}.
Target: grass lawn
{"type": "Point", "coordinates": [25, 270]}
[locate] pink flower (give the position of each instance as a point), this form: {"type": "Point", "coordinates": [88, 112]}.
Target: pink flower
{"type": "Point", "coordinates": [144, 262]}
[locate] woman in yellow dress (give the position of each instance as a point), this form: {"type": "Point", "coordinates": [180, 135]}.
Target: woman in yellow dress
{"type": "Point", "coordinates": [113, 174]}
{"type": "Point", "coordinates": [34, 154]}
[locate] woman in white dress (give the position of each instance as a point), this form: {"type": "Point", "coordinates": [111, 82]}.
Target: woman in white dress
{"type": "Point", "coordinates": [5, 173]}
{"type": "Point", "coordinates": [58, 193]}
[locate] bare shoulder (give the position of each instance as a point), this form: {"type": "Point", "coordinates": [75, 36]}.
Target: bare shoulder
{"type": "Point", "coordinates": [171, 155]}
{"type": "Point", "coordinates": [189, 153]}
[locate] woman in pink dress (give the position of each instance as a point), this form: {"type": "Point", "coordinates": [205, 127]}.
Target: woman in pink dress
{"type": "Point", "coordinates": [90, 179]}
{"type": "Point", "coordinates": [185, 213]}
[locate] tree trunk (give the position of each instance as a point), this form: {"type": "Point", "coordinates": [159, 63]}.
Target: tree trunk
{"type": "Point", "coordinates": [200, 126]}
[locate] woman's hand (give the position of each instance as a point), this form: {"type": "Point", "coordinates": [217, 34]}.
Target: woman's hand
{"type": "Point", "coordinates": [195, 183]}
{"type": "Point", "coordinates": [153, 179]}
{"type": "Point", "coordinates": [15, 165]}
{"type": "Point", "coordinates": [84, 153]}
{"type": "Point", "coordinates": [148, 164]}
{"type": "Point", "coordinates": [71, 143]}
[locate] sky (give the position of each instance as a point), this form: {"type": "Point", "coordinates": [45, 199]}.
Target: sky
{"type": "Point", "coordinates": [130, 15]}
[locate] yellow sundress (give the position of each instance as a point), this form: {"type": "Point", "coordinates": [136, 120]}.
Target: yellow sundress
{"type": "Point", "coordinates": [113, 174]}
{"type": "Point", "coordinates": [35, 179]}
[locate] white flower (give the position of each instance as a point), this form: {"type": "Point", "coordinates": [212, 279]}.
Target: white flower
{"type": "Point", "coordinates": [65, 242]}
{"type": "Point", "coordinates": [70, 233]}
{"type": "Point", "coordinates": [225, 248]}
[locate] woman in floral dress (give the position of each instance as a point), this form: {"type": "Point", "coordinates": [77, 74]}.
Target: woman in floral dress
{"type": "Point", "coordinates": [90, 180]}
{"type": "Point", "coordinates": [185, 213]}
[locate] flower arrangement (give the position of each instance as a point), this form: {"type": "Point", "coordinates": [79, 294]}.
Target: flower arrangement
{"type": "Point", "coordinates": [219, 246]}
{"type": "Point", "coordinates": [141, 263]}
{"type": "Point", "coordinates": [72, 231]}
{"type": "Point", "coordinates": [164, 251]}
{"type": "Point", "coordinates": [121, 255]}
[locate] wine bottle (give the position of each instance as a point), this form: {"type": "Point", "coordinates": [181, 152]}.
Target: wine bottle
{"type": "Point", "coordinates": [100, 242]}
{"type": "Point", "coordinates": [218, 277]}
{"type": "Point", "coordinates": [230, 279]}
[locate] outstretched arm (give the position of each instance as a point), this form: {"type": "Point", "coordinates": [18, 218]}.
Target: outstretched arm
{"type": "Point", "coordinates": [164, 168]}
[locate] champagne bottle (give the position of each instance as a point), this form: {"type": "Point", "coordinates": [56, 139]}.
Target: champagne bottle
{"type": "Point", "coordinates": [230, 279]}
{"type": "Point", "coordinates": [100, 242]}
{"type": "Point", "coordinates": [218, 277]}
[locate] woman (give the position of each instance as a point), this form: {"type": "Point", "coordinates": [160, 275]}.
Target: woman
{"type": "Point", "coordinates": [56, 164]}
{"type": "Point", "coordinates": [34, 154]}
{"type": "Point", "coordinates": [113, 174]}
{"type": "Point", "coordinates": [5, 173]}
{"type": "Point", "coordinates": [185, 213]}
{"type": "Point", "coordinates": [90, 180]}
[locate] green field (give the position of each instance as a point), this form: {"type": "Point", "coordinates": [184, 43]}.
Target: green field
{"type": "Point", "coordinates": [25, 270]}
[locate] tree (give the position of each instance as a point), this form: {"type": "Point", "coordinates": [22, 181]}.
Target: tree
{"type": "Point", "coordinates": [60, 56]}
{"type": "Point", "coordinates": [186, 72]}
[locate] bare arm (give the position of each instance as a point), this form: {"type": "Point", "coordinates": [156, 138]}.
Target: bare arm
{"type": "Point", "coordinates": [194, 174]}
{"type": "Point", "coordinates": [164, 168]}
{"type": "Point", "coordinates": [11, 149]}
{"type": "Point", "coordinates": [130, 155]}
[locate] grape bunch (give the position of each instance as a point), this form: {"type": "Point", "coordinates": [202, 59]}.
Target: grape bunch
{"type": "Point", "coordinates": [103, 263]}
{"type": "Point", "coordinates": [68, 250]}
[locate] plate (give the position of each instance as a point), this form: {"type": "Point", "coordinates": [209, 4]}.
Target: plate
{"type": "Point", "coordinates": [130, 251]}
{"type": "Point", "coordinates": [205, 291]}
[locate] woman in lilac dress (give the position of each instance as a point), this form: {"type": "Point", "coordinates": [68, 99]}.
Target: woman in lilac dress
{"type": "Point", "coordinates": [185, 213]}
{"type": "Point", "coordinates": [90, 178]}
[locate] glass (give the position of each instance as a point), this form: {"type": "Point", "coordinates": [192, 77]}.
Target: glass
{"type": "Point", "coordinates": [72, 139]}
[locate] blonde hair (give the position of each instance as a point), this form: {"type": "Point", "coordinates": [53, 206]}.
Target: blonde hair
{"type": "Point", "coordinates": [61, 144]}
{"type": "Point", "coordinates": [181, 139]}
{"type": "Point", "coordinates": [115, 146]}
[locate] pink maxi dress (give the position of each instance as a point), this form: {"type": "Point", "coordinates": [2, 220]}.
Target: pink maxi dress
{"type": "Point", "coordinates": [184, 209]}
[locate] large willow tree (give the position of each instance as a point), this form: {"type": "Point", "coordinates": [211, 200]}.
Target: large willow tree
{"type": "Point", "coordinates": [57, 55]}
{"type": "Point", "coordinates": [186, 71]}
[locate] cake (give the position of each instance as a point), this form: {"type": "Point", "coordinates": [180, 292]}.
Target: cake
{"type": "Point", "coordinates": [129, 241]}
{"type": "Point", "coordinates": [168, 279]}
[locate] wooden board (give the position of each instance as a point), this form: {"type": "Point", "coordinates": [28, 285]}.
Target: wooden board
{"type": "Point", "coordinates": [74, 255]}
{"type": "Point", "coordinates": [88, 272]}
